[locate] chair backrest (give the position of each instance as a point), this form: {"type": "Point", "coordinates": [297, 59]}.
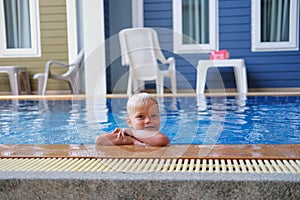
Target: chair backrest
{"type": "Point", "coordinates": [140, 50]}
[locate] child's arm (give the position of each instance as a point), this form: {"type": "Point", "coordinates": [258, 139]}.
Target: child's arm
{"type": "Point", "coordinates": [128, 137]}
{"type": "Point", "coordinates": [114, 138]}
{"type": "Point", "coordinates": [152, 138]}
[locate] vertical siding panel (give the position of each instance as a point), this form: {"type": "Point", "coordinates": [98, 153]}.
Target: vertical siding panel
{"type": "Point", "coordinates": [107, 35]}
{"type": "Point", "coordinates": [54, 44]}
{"type": "Point", "coordinates": [234, 32]}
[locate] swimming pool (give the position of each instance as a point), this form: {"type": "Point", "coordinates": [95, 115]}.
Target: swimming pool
{"type": "Point", "coordinates": [186, 120]}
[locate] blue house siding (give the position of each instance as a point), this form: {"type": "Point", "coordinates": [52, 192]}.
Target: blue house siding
{"type": "Point", "coordinates": [264, 69]}
{"type": "Point", "coordinates": [158, 14]}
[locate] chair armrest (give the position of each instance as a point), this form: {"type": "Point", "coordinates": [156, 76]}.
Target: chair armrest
{"type": "Point", "coordinates": [57, 63]}
{"type": "Point", "coordinates": [39, 75]}
{"type": "Point", "coordinates": [54, 63]}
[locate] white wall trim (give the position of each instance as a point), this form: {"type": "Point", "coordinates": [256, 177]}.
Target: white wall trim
{"type": "Point", "coordinates": [72, 29]}
{"type": "Point", "coordinates": [137, 10]}
{"type": "Point", "coordinates": [93, 39]}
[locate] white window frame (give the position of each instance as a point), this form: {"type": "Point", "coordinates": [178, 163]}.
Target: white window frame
{"type": "Point", "coordinates": [35, 50]}
{"type": "Point", "coordinates": [213, 44]}
{"type": "Point", "coordinates": [291, 45]}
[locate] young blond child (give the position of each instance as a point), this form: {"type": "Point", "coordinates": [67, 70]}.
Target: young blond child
{"type": "Point", "coordinates": [144, 122]}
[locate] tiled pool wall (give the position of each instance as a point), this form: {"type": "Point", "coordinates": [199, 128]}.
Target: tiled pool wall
{"type": "Point", "coordinates": [62, 185]}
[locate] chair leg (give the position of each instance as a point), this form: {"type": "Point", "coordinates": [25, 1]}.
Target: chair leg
{"type": "Point", "coordinates": [75, 89]}
{"type": "Point", "coordinates": [140, 85]}
{"type": "Point", "coordinates": [241, 80]}
{"type": "Point", "coordinates": [71, 86]}
{"type": "Point", "coordinates": [136, 86]}
{"type": "Point", "coordinates": [41, 83]}
{"type": "Point", "coordinates": [245, 84]}
{"type": "Point", "coordinates": [74, 85]}
{"type": "Point", "coordinates": [26, 82]}
{"type": "Point", "coordinates": [14, 82]}
{"type": "Point", "coordinates": [43, 80]}
{"type": "Point", "coordinates": [173, 83]}
{"type": "Point", "coordinates": [160, 86]}
{"type": "Point", "coordinates": [129, 85]}
{"type": "Point", "coordinates": [201, 80]}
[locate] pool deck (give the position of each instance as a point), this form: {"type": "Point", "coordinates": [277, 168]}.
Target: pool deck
{"type": "Point", "coordinates": [150, 185]}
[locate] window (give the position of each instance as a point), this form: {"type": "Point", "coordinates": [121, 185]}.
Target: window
{"type": "Point", "coordinates": [195, 24]}
{"type": "Point", "coordinates": [275, 25]}
{"type": "Point", "coordinates": [19, 28]}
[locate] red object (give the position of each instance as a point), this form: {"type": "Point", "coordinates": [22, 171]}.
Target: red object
{"type": "Point", "coordinates": [219, 55]}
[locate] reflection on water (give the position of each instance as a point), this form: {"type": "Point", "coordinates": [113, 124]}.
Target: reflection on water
{"type": "Point", "coordinates": [186, 120]}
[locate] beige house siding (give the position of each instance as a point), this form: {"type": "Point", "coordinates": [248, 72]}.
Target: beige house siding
{"type": "Point", "coordinates": [54, 44]}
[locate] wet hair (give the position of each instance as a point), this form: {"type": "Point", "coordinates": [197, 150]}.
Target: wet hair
{"type": "Point", "coordinates": [139, 100]}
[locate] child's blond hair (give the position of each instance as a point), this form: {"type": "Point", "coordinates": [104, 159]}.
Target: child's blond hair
{"type": "Point", "coordinates": [138, 100]}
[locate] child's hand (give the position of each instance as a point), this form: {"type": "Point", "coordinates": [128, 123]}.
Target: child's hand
{"type": "Point", "coordinates": [120, 133]}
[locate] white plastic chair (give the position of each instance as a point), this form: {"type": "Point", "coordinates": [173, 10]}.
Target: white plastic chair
{"type": "Point", "coordinates": [141, 52]}
{"type": "Point", "coordinates": [71, 76]}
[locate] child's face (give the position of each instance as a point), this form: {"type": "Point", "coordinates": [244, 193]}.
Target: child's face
{"type": "Point", "coordinates": [145, 117]}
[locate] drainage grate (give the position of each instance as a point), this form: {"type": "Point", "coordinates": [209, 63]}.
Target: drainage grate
{"type": "Point", "coordinates": [149, 165]}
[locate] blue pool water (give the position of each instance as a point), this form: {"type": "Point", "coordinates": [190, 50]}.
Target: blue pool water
{"type": "Point", "coordinates": [186, 120]}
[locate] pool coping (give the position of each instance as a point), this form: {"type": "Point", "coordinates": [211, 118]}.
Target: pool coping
{"type": "Point", "coordinates": [251, 151]}
{"type": "Point", "coordinates": [211, 93]}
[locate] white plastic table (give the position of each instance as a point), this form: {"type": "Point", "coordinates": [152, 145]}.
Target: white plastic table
{"type": "Point", "coordinates": [14, 73]}
{"type": "Point", "coordinates": [239, 72]}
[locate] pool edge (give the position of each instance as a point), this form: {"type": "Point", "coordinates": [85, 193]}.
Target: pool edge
{"type": "Point", "coordinates": [250, 151]}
